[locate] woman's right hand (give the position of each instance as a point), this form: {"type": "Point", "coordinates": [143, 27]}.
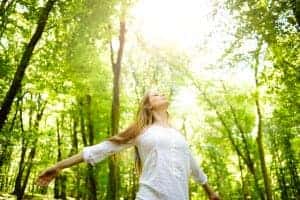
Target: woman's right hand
{"type": "Point", "coordinates": [47, 176]}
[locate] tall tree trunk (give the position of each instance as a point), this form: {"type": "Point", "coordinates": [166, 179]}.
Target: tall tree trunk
{"type": "Point", "coordinates": [83, 137]}
{"type": "Point", "coordinates": [59, 183]}
{"type": "Point", "coordinates": [243, 182]}
{"type": "Point", "coordinates": [259, 140]}
{"type": "Point", "coordinates": [259, 137]}
{"type": "Point", "coordinates": [18, 180]}
{"type": "Point", "coordinates": [82, 122]}
{"type": "Point", "coordinates": [56, 182]}
{"type": "Point", "coordinates": [18, 77]}
{"type": "Point", "coordinates": [87, 140]}
{"type": "Point", "coordinates": [114, 174]}
{"type": "Point", "coordinates": [92, 181]}
{"type": "Point", "coordinates": [28, 170]}
{"type": "Point", "coordinates": [74, 149]}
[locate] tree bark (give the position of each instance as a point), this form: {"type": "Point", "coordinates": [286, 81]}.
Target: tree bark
{"type": "Point", "coordinates": [18, 77]}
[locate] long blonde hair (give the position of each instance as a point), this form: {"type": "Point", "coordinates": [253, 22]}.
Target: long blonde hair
{"type": "Point", "coordinates": [144, 118]}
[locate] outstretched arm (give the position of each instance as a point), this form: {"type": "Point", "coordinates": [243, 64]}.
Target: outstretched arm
{"type": "Point", "coordinates": [200, 177]}
{"type": "Point", "coordinates": [50, 173]}
{"type": "Point", "coordinates": [90, 154]}
{"type": "Point", "coordinates": [75, 159]}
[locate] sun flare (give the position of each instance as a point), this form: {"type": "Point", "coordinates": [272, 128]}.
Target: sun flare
{"type": "Point", "coordinates": [175, 22]}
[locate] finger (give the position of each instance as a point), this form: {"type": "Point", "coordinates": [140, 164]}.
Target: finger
{"type": "Point", "coordinates": [41, 183]}
{"type": "Point", "coordinates": [44, 183]}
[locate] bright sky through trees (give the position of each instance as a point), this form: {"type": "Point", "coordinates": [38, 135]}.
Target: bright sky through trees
{"type": "Point", "coordinates": [200, 29]}
{"type": "Point", "coordinates": [184, 23]}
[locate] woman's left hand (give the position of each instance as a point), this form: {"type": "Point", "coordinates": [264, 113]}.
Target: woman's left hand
{"type": "Point", "coordinates": [214, 196]}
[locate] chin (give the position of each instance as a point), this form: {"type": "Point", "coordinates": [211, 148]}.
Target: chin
{"type": "Point", "coordinates": [166, 105]}
{"type": "Point", "coordinates": [162, 106]}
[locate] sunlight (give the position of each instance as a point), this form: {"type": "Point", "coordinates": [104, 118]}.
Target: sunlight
{"type": "Point", "coordinates": [172, 21]}
{"type": "Point", "coordinates": [186, 99]}
{"type": "Point", "coordinates": [202, 30]}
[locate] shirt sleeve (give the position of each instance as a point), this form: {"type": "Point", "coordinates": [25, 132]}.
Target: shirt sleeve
{"type": "Point", "coordinates": [197, 173]}
{"type": "Point", "coordinates": [96, 153]}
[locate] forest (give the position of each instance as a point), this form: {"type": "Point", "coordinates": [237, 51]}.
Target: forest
{"type": "Point", "coordinates": [72, 74]}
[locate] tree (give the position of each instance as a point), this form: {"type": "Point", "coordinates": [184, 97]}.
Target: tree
{"type": "Point", "coordinates": [114, 176]}
{"type": "Point", "coordinates": [18, 77]}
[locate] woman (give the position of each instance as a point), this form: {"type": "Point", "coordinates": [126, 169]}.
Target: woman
{"type": "Point", "coordinates": [164, 157]}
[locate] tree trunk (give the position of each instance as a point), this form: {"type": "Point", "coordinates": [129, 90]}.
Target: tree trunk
{"type": "Point", "coordinates": [243, 182]}
{"type": "Point", "coordinates": [28, 171]}
{"type": "Point", "coordinates": [18, 181]}
{"type": "Point", "coordinates": [56, 181]}
{"type": "Point", "coordinates": [59, 184]}
{"type": "Point", "coordinates": [259, 138]}
{"type": "Point", "coordinates": [74, 136]}
{"type": "Point", "coordinates": [74, 149]}
{"type": "Point", "coordinates": [261, 152]}
{"type": "Point", "coordinates": [114, 174]}
{"type": "Point", "coordinates": [18, 77]}
{"type": "Point", "coordinates": [87, 140]}
{"type": "Point", "coordinates": [84, 140]}
{"type": "Point", "coordinates": [92, 182]}
{"type": "Point", "coordinates": [82, 122]}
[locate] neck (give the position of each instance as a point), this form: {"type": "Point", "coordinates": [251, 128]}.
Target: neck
{"type": "Point", "coordinates": [161, 117]}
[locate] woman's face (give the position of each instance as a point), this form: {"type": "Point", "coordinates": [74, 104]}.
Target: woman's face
{"type": "Point", "coordinates": [158, 101]}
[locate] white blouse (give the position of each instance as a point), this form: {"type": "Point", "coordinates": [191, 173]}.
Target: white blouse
{"type": "Point", "coordinates": [166, 159]}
